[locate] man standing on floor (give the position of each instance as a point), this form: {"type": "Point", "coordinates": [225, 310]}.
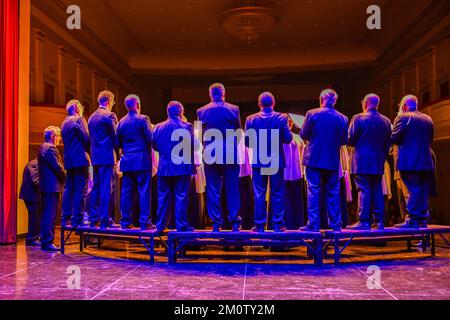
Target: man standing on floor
{"type": "Point", "coordinates": [30, 194]}
{"type": "Point", "coordinates": [51, 180]}
{"type": "Point", "coordinates": [134, 137]}
{"type": "Point", "coordinates": [174, 170]}
{"type": "Point", "coordinates": [413, 134]}
{"type": "Point", "coordinates": [102, 128]}
{"type": "Point", "coordinates": [325, 131]}
{"type": "Point", "coordinates": [370, 136]}
{"type": "Point", "coordinates": [222, 169]}
{"type": "Point", "coordinates": [77, 143]}
{"type": "Point", "coordinates": [276, 126]}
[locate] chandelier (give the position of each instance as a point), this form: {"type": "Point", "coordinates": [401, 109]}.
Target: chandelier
{"type": "Point", "coordinates": [248, 23]}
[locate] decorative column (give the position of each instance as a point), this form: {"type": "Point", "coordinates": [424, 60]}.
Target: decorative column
{"type": "Point", "coordinates": [417, 76]}
{"type": "Point", "coordinates": [94, 89]}
{"type": "Point", "coordinates": [61, 98]}
{"type": "Point", "coordinates": [403, 82]}
{"type": "Point", "coordinates": [79, 74]}
{"type": "Point", "coordinates": [433, 84]}
{"type": "Point", "coordinates": [391, 98]}
{"type": "Point", "coordinates": [39, 38]}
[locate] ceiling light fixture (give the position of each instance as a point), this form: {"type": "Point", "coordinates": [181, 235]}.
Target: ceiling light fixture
{"type": "Point", "coordinates": [249, 23]}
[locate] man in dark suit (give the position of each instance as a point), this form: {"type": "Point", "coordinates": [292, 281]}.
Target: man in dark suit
{"type": "Point", "coordinates": [414, 133]}
{"type": "Point", "coordinates": [174, 170]}
{"type": "Point", "coordinates": [325, 130]}
{"type": "Point", "coordinates": [221, 167]}
{"type": "Point", "coordinates": [102, 128]}
{"type": "Point", "coordinates": [51, 180]}
{"type": "Point", "coordinates": [30, 194]}
{"type": "Point", "coordinates": [370, 136]}
{"type": "Point", "coordinates": [134, 137]}
{"type": "Point", "coordinates": [77, 143]}
{"type": "Point", "coordinates": [276, 127]}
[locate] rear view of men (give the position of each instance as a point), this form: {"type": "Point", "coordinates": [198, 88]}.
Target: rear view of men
{"type": "Point", "coordinates": [413, 134]}
{"type": "Point", "coordinates": [30, 194]}
{"type": "Point", "coordinates": [222, 116]}
{"type": "Point", "coordinates": [325, 131]}
{"type": "Point", "coordinates": [370, 137]}
{"type": "Point", "coordinates": [268, 119]}
{"type": "Point", "coordinates": [102, 128]}
{"type": "Point", "coordinates": [174, 170]}
{"type": "Point", "coordinates": [134, 137]}
{"type": "Point", "coordinates": [77, 143]}
{"type": "Point", "coordinates": [51, 180]}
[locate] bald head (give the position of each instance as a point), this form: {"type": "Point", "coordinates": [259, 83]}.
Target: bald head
{"type": "Point", "coordinates": [409, 103]}
{"type": "Point", "coordinates": [217, 92]}
{"type": "Point", "coordinates": [175, 110]}
{"type": "Point", "coordinates": [133, 103]}
{"type": "Point", "coordinates": [371, 102]}
{"type": "Point", "coordinates": [266, 100]}
{"type": "Point", "coordinates": [328, 98]}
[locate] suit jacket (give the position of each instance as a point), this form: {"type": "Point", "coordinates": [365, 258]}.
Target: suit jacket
{"type": "Point", "coordinates": [370, 137]}
{"type": "Point", "coordinates": [134, 137]}
{"type": "Point", "coordinates": [414, 134]}
{"type": "Point", "coordinates": [269, 121]}
{"type": "Point", "coordinates": [163, 144]}
{"type": "Point", "coordinates": [222, 116]}
{"type": "Point", "coordinates": [325, 131]}
{"type": "Point", "coordinates": [102, 128]}
{"type": "Point", "coordinates": [29, 191]}
{"type": "Point", "coordinates": [51, 170]}
{"type": "Point", "coordinates": [77, 142]}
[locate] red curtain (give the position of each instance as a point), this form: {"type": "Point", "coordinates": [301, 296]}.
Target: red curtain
{"type": "Point", "coordinates": [9, 82]}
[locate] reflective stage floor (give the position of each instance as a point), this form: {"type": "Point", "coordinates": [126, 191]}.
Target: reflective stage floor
{"type": "Point", "coordinates": [121, 271]}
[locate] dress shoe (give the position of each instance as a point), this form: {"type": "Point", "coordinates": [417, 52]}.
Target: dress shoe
{"type": "Point", "coordinates": [35, 243]}
{"type": "Point", "coordinates": [76, 224]}
{"type": "Point", "coordinates": [65, 223]}
{"type": "Point", "coordinates": [308, 228]}
{"type": "Point", "coordinates": [407, 225]}
{"type": "Point", "coordinates": [237, 227]}
{"type": "Point", "coordinates": [94, 224]}
{"type": "Point", "coordinates": [216, 228]}
{"type": "Point", "coordinates": [148, 227]}
{"type": "Point", "coordinates": [359, 226]}
{"type": "Point", "coordinates": [114, 226]}
{"type": "Point", "coordinates": [279, 229]}
{"type": "Point", "coordinates": [258, 229]}
{"type": "Point", "coordinates": [423, 225]}
{"type": "Point", "coordinates": [378, 226]}
{"type": "Point", "coordinates": [186, 229]}
{"type": "Point", "coordinates": [50, 248]}
{"type": "Point", "coordinates": [127, 226]}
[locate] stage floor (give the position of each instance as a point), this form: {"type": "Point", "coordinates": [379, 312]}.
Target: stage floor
{"type": "Point", "coordinates": [122, 271]}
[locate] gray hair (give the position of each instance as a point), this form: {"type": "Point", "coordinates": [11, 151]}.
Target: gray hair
{"type": "Point", "coordinates": [411, 101]}
{"type": "Point", "coordinates": [373, 99]}
{"type": "Point", "coordinates": [50, 131]}
{"type": "Point", "coordinates": [330, 96]}
{"type": "Point", "coordinates": [70, 106]}
{"type": "Point", "coordinates": [105, 96]}
{"type": "Point", "coordinates": [132, 100]}
{"type": "Point", "coordinates": [217, 91]}
{"type": "Point", "coordinates": [266, 100]}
